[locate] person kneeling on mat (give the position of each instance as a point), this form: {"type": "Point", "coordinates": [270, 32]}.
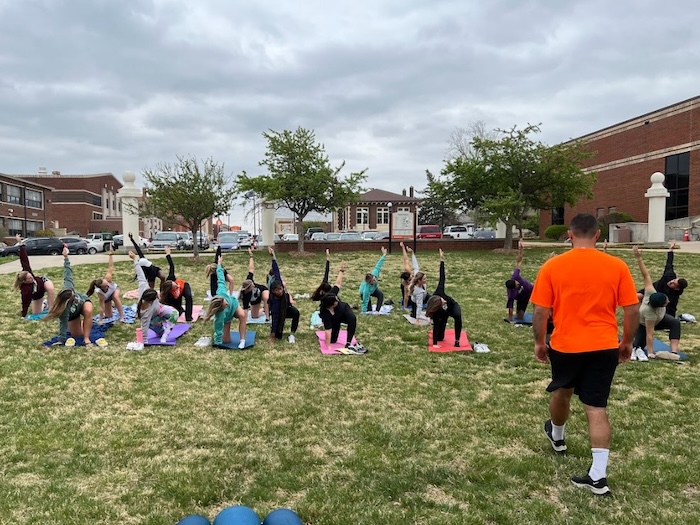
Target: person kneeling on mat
{"type": "Point", "coordinates": [173, 290]}
{"type": "Point", "coordinates": [69, 306]}
{"type": "Point", "coordinates": [32, 288]}
{"type": "Point", "coordinates": [518, 289]}
{"type": "Point", "coordinates": [254, 296]}
{"type": "Point", "coordinates": [224, 308]}
{"type": "Point", "coordinates": [334, 312]}
{"type": "Point", "coordinates": [369, 287]}
{"type": "Point", "coordinates": [441, 307]}
{"type": "Point", "coordinates": [280, 303]}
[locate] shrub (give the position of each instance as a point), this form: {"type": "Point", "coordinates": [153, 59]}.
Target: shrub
{"type": "Point", "coordinates": [556, 231]}
{"type": "Point", "coordinates": [605, 221]}
{"type": "Point", "coordinates": [44, 233]}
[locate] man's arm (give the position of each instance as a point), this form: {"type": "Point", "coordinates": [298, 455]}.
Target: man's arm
{"type": "Point", "coordinates": [630, 322]}
{"type": "Point", "coordinates": [539, 328]}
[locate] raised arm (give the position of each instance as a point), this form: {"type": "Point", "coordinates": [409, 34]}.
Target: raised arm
{"type": "Point", "coordinates": [67, 271]}
{"type": "Point", "coordinates": [110, 264]}
{"type": "Point", "coordinates": [339, 279]}
{"type": "Point", "coordinates": [406, 262]}
{"type": "Point", "coordinates": [23, 258]}
{"type": "Point", "coordinates": [171, 264]}
{"type": "Point", "coordinates": [136, 245]}
{"type": "Point", "coordinates": [275, 266]}
{"type": "Point", "coordinates": [519, 258]}
{"type": "Point", "coordinates": [220, 279]}
{"type": "Point", "coordinates": [378, 267]}
{"type": "Point", "coordinates": [440, 290]}
{"type": "Point", "coordinates": [669, 272]}
{"type": "Point", "coordinates": [140, 275]}
{"type": "Point", "coordinates": [648, 285]}
{"type": "Point", "coordinates": [251, 262]}
{"type": "Point", "coordinates": [328, 266]}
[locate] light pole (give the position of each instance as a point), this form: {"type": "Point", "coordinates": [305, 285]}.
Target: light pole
{"type": "Point", "coordinates": [251, 195]}
{"type": "Point", "coordinates": [390, 205]}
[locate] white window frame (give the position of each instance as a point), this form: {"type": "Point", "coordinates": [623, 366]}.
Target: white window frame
{"type": "Point", "coordinates": [97, 216]}
{"type": "Point", "coordinates": [382, 215]}
{"type": "Point", "coordinates": [362, 216]}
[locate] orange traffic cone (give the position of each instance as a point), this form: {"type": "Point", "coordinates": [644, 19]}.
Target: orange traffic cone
{"type": "Point", "coordinates": [686, 236]}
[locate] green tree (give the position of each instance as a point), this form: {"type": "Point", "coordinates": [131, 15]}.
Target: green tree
{"type": "Point", "coordinates": [513, 173]}
{"type": "Point", "coordinates": [187, 193]}
{"type": "Point", "coordinates": [300, 177]}
{"type": "Point", "coordinates": [437, 206]}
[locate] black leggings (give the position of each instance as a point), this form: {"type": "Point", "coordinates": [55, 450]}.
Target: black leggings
{"type": "Point", "coordinates": [668, 322]}
{"type": "Point", "coordinates": [293, 314]}
{"type": "Point", "coordinates": [440, 323]}
{"type": "Point", "coordinates": [347, 317]}
{"type": "Point", "coordinates": [380, 299]}
{"type": "Point", "coordinates": [177, 303]}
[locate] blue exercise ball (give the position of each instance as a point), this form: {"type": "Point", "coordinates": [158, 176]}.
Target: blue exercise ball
{"type": "Point", "coordinates": [194, 519]}
{"type": "Point", "coordinates": [238, 515]}
{"type": "Point", "coordinates": [283, 517]}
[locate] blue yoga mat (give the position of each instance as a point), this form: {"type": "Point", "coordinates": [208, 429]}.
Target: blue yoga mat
{"type": "Point", "coordinates": [527, 319]}
{"type": "Point", "coordinates": [236, 338]}
{"type": "Point", "coordinates": [660, 346]}
{"type": "Point", "coordinates": [98, 330]}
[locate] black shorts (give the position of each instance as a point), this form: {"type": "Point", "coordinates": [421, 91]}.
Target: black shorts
{"type": "Point", "coordinates": [522, 300]}
{"type": "Point", "coordinates": [590, 374]}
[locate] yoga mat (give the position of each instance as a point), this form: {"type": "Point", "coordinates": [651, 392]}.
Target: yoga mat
{"type": "Point", "coordinates": [660, 346]}
{"type": "Point", "coordinates": [178, 330]}
{"type": "Point", "coordinates": [131, 294]}
{"type": "Point", "coordinates": [260, 320]}
{"type": "Point", "coordinates": [447, 344]}
{"type": "Point", "coordinates": [236, 338]}
{"type": "Point", "coordinates": [196, 312]}
{"type": "Point", "coordinates": [416, 322]}
{"type": "Point", "coordinates": [332, 349]}
{"type": "Point", "coordinates": [527, 319]}
{"type": "Point", "coordinates": [98, 330]}
{"type": "Point", "coordinates": [36, 317]}
{"type": "Point", "coordinates": [129, 315]}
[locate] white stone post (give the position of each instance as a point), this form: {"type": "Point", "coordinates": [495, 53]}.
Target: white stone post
{"type": "Point", "coordinates": [657, 195]}
{"type": "Point", "coordinates": [129, 196]}
{"type": "Point", "coordinates": [268, 223]}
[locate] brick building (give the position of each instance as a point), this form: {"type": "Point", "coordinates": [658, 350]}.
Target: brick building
{"type": "Point", "coordinates": [24, 206]}
{"type": "Point", "coordinates": [626, 154]}
{"type": "Point", "coordinates": [372, 210]}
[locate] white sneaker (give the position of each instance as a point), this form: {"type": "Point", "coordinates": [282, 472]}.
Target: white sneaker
{"type": "Point", "coordinates": [633, 355]}
{"type": "Point", "coordinates": [641, 356]}
{"type": "Point", "coordinates": [291, 338]}
{"type": "Point", "coordinates": [241, 345]}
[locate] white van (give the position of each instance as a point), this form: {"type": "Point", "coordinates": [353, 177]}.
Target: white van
{"type": "Point", "coordinates": [460, 231]}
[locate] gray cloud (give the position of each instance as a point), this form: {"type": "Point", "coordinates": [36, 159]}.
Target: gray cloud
{"type": "Point", "coordinates": [96, 85]}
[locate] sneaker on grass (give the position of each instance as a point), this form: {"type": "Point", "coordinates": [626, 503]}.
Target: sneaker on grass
{"type": "Point", "coordinates": [641, 354]}
{"type": "Point", "coordinates": [559, 445]}
{"type": "Point", "coordinates": [291, 338]}
{"type": "Point", "coordinates": [599, 487]}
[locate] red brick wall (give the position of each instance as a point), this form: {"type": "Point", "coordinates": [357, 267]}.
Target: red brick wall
{"type": "Point", "coordinates": [424, 245]}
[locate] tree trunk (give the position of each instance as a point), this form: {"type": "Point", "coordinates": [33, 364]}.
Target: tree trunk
{"type": "Point", "coordinates": [300, 233]}
{"type": "Point", "coordinates": [508, 242]}
{"type": "Point", "coordinates": [195, 240]}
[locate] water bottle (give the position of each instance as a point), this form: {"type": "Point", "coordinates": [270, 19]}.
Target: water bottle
{"type": "Point", "coordinates": [139, 335]}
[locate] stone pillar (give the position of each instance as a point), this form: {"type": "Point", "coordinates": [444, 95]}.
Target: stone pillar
{"type": "Point", "coordinates": [129, 197]}
{"type": "Point", "coordinates": [657, 195]}
{"type": "Point", "coordinates": [268, 223]}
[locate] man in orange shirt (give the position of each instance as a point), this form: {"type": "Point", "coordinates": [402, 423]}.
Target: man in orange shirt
{"type": "Point", "coordinates": [582, 290]}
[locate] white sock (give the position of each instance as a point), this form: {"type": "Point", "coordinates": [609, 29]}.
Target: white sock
{"type": "Point", "coordinates": [558, 431]}
{"type": "Point", "coordinates": [600, 463]}
{"type": "Point", "coordinates": [167, 328]}
{"type": "Point", "coordinates": [241, 345]}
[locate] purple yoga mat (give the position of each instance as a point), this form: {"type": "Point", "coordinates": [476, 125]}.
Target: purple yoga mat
{"type": "Point", "coordinates": [177, 331]}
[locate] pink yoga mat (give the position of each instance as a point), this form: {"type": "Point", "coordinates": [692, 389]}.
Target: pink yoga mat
{"type": "Point", "coordinates": [329, 349]}
{"type": "Point", "coordinates": [196, 312]}
{"type": "Point", "coordinates": [447, 344]}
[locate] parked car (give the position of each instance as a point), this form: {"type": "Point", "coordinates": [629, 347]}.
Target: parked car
{"type": "Point", "coordinates": [228, 241]}
{"type": "Point", "coordinates": [318, 236]}
{"type": "Point", "coordinates": [202, 241]}
{"type": "Point", "coordinates": [75, 245]}
{"type": "Point", "coordinates": [172, 239]}
{"type": "Point", "coordinates": [485, 234]}
{"type": "Point", "coordinates": [368, 235]}
{"type": "Point", "coordinates": [381, 236]}
{"type": "Point", "coordinates": [98, 242]}
{"type": "Point", "coordinates": [189, 240]}
{"type": "Point", "coordinates": [458, 232]}
{"type": "Point", "coordinates": [35, 246]}
{"type": "Point", "coordinates": [245, 240]}
{"type": "Point", "coordinates": [350, 236]}
{"type": "Point", "coordinates": [118, 241]}
{"type": "Point", "coordinates": [429, 231]}
{"type": "Point", "coordinates": [309, 233]}
{"type": "Point", "coordinates": [294, 237]}
{"type": "Point", "coordinates": [333, 236]}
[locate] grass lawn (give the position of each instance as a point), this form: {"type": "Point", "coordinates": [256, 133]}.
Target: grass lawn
{"type": "Point", "coordinates": [398, 436]}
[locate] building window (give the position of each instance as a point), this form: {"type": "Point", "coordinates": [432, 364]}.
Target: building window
{"type": "Point", "coordinates": [677, 183]}
{"type": "Point", "coordinates": [96, 216]}
{"type": "Point", "coordinates": [599, 212]}
{"type": "Point", "coordinates": [14, 226]}
{"type": "Point", "coordinates": [403, 208]}
{"type": "Point", "coordinates": [612, 209]}
{"type": "Point", "coordinates": [33, 198]}
{"type": "Point", "coordinates": [33, 227]}
{"type": "Point", "coordinates": [362, 216]}
{"type": "Point", "coordinates": [558, 215]}
{"type": "Point", "coordinates": [96, 200]}
{"type": "Point", "coordinates": [382, 215]}
{"type": "Point", "coordinates": [14, 194]}
{"type": "Point", "coordinates": [107, 203]}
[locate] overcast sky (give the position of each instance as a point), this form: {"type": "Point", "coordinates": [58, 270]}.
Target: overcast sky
{"type": "Point", "coordinates": [90, 86]}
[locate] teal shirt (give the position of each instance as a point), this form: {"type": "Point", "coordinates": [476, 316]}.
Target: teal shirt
{"type": "Point", "coordinates": [366, 289]}
{"type": "Point", "coordinates": [226, 315]}
{"type": "Point", "coordinates": [74, 307]}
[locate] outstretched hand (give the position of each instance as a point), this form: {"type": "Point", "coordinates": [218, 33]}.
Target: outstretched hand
{"type": "Point", "coordinates": [636, 251]}
{"type": "Point", "coordinates": [401, 244]}
{"type": "Point", "coordinates": [383, 250]}
{"type": "Point", "coordinates": [18, 237]}
{"type": "Point", "coordinates": [328, 254]}
{"type": "Point", "coordinates": [250, 252]}
{"type": "Point", "coordinates": [167, 250]}
{"type": "Point", "coordinates": [220, 260]}
{"type": "Point", "coordinates": [342, 266]}
{"type": "Point", "coordinates": [65, 251]}
{"type": "Point", "coordinates": [442, 254]}
{"type": "Point", "coordinates": [409, 249]}
{"type": "Point", "coordinates": [271, 251]}
{"type": "Point", "coordinates": [132, 255]}
{"type": "Point", "coordinates": [672, 246]}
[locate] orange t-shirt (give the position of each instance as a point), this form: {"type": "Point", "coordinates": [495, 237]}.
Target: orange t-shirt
{"type": "Point", "coordinates": [584, 287]}
{"type": "Point", "coordinates": [178, 287]}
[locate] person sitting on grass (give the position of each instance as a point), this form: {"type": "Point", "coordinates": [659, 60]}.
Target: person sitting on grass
{"type": "Point", "coordinates": [441, 307]}
{"type": "Point", "coordinates": [73, 309]}
{"type": "Point", "coordinates": [518, 289]}
{"type": "Point", "coordinates": [335, 312]}
{"type": "Point", "coordinates": [653, 316]}
{"type": "Point", "coordinates": [224, 308]}
{"type": "Point", "coordinates": [281, 305]}
{"type": "Point", "coordinates": [254, 296]}
{"type": "Point", "coordinates": [108, 292]}
{"type": "Point", "coordinates": [369, 287]}
{"type": "Point", "coordinates": [32, 288]}
{"type": "Point", "coordinates": [407, 276]}
{"type": "Point", "coordinates": [173, 290]}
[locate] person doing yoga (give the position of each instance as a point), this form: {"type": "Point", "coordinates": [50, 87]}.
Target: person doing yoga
{"type": "Point", "coordinates": [32, 288]}
{"type": "Point", "coordinates": [369, 287]}
{"type": "Point", "coordinates": [518, 289]}
{"type": "Point", "coordinates": [108, 292]}
{"type": "Point", "coordinates": [224, 308]}
{"type": "Point", "coordinates": [441, 307]}
{"type": "Point", "coordinates": [173, 290]}
{"type": "Point", "coordinates": [254, 296]}
{"type": "Point", "coordinates": [335, 312]}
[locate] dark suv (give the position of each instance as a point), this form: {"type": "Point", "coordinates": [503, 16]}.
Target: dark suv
{"type": "Point", "coordinates": [311, 231]}
{"type": "Point", "coordinates": [35, 246]}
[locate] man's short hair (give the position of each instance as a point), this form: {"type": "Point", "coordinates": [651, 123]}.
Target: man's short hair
{"type": "Point", "coordinates": [682, 284]}
{"type": "Point", "coordinates": [584, 225]}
